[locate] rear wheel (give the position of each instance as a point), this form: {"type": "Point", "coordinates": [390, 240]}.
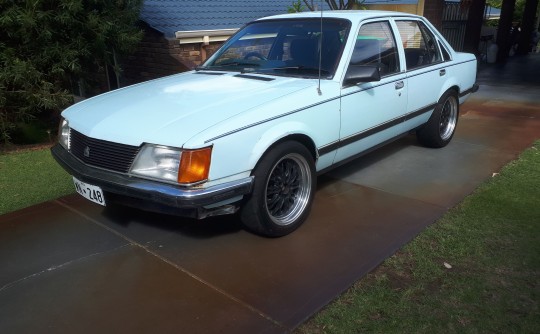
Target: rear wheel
{"type": "Point", "coordinates": [440, 128]}
{"type": "Point", "coordinates": [283, 192]}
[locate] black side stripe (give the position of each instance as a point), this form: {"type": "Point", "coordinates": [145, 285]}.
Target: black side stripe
{"type": "Point", "coordinates": [419, 112]}
{"type": "Point", "coordinates": [370, 132]}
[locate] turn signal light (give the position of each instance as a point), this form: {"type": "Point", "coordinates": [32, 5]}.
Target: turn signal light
{"type": "Point", "coordinates": [194, 165]}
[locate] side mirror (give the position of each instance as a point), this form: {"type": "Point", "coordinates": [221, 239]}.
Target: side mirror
{"type": "Point", "coordinates": [361, 73]}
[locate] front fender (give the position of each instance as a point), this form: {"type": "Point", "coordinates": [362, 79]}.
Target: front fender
{"type": "Point", "coordinates": [276, 134]}
{"type": "Point", "coordinates": [241, 141]}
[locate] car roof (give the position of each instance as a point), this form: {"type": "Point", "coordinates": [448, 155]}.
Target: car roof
{"type": "Point", "coordinates": [353, 15]}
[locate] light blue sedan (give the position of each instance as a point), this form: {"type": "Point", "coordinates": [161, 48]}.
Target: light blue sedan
{"type": "Point", "coordinates": [284, 99]}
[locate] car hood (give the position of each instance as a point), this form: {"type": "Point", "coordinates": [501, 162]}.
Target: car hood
{"type": "Point", "coordinates": [171, 110]}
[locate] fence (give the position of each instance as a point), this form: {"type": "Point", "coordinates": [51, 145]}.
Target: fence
{"type": "Point", "coordinates": [454, 23]}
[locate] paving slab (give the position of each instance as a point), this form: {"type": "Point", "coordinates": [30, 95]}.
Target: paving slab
{"type": "Point", "coordinates": [72, 266]}
{"type": "Point", "coordinates": [46, 236]}
{"type": "Point", "coordinates": [126, 290]}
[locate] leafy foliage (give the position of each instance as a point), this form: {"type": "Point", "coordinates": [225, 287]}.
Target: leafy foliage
{"type": "Point", "coordinates": [518, 11]}
{"type": "Point", "coordinates": [48, 47]}
{"type": "Point", "coordinates": [296, 7]}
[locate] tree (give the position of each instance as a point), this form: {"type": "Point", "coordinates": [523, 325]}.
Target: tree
{"type": "Point", "coordinates": [49, 47]}
{"type": "Point", "coordinates": [528, 27]}
{"type": "Point", "coordinates": [474, 26]}
{"type": "Point", "coordinates": [504, 40]}
{"type": "Point", "coordinates": [296, 7]}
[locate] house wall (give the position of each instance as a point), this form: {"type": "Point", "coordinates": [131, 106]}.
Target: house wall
{"type": "Point", "coordinates": [157, 56]}
{"type": "Point", "coordinates": [411, 9]}
{"type": "Point", "coordinates": [431, 9]}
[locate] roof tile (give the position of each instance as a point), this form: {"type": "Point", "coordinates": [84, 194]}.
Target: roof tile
{"type": "Point", "coordinates": [170, 16]}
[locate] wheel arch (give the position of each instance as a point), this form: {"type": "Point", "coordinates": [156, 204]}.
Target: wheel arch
{"type": "Point", "coordinates": [301, 138]}
{"type": "Point", "coordinates": [451, 86]}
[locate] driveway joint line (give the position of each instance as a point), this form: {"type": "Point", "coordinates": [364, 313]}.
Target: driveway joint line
{"type": "Point", "coordinates": [181, 269]}
{"type": "Point", "coordinates": [55, 267]}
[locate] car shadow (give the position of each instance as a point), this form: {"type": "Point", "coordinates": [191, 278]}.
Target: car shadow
{"type": "Point", "coordinates": [210, 227]}
{"type": "Point", "coordinates": [369, 159]}
{"type": "Point", "coordinates": [124, 216]}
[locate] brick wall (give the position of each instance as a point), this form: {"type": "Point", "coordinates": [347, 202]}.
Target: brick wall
{"type": "Point", "coordinates": [157, 56]}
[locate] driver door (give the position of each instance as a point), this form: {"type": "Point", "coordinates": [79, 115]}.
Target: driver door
{"type": "Point", "coordinates": [371, 113]}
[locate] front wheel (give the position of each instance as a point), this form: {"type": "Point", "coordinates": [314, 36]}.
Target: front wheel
{"type": "Point", "coordinates": [440, 128]}
{"type": "Point", "coordinates": [285, 183]}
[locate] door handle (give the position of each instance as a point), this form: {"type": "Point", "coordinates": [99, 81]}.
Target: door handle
{"type": "Point", "coordinates": [400, 84]}
{"type": "Point", "coordinates": [442, 72]}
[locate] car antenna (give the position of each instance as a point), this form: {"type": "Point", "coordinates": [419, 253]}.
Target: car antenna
{"type": "Point", "coordinates": [320, 52]}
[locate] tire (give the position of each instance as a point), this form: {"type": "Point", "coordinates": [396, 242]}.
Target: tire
{"type": "Point", "coordinates": [441, 126]}
{"type": "Point", "coordinates": [285, 183]}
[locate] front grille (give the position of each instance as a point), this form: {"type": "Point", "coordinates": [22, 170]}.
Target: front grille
{"type": "Point", "coordinates": [102, 153]}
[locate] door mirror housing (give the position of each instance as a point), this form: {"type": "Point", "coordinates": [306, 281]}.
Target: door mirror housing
{"type": "Point", "coordinates": [361, 73]}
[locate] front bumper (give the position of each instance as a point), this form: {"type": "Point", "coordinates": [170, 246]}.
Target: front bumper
{"type": "Point", "coordinates": [152, 195]}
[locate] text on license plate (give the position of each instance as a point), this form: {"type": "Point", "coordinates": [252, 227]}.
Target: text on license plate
{"type": "Point", "coordinates": [90, 192]}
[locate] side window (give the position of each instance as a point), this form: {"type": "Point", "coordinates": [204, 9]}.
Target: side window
{"type": "Point", "coordinates": [421, 47]}
{"type": "Point", "coordinates": [376, 45]}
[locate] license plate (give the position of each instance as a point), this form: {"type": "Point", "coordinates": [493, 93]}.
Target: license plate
{"type": "Point", "coordinates": [90, 192]}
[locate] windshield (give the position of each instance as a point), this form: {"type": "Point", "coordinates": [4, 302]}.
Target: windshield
{"type": "Point", "coordinates": [284, 47]}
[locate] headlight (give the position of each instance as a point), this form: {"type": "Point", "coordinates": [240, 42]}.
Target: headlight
{"type": "Point", "coordinates": [173, 164]}
{"type": "Point", "coordinates": [63, 133]}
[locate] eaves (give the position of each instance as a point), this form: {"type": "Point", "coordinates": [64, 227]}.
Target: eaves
{"type": "Point", "coordinates": [204, 36]}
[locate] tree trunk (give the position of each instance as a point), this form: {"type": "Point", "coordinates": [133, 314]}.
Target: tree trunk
{"type": "Point", "coordinates": [107, 76]}
{"type": "Point", "coordinates": [527, 27]}
{"type": "Point", "coordinates": [503, 33]}
{"type": "Point", "coordinates": [474, 26]}
{"type": "Point", "coordinates": [116, 69]}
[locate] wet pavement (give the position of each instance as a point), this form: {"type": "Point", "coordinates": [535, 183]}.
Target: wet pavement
{"type": "Point", "coordinates": [69, 266]}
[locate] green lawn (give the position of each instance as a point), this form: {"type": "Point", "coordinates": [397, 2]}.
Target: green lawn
{"type": "Point", "coordinates": [30, 177]}
{"type": "Point", "coordinates": [477, 270]}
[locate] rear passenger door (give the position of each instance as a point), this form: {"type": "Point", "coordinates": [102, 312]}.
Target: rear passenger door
{"type": "Point", "coordinates": [372, 112]}
{"type": "Point", "coordinates": [425, 70]}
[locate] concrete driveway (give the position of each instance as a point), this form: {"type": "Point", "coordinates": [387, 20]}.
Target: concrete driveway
{"type": "Point", "coordinates": [68, 266]}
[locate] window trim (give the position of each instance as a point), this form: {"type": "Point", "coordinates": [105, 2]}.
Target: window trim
{"type": "Point", "coordinates": [390, 22]}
